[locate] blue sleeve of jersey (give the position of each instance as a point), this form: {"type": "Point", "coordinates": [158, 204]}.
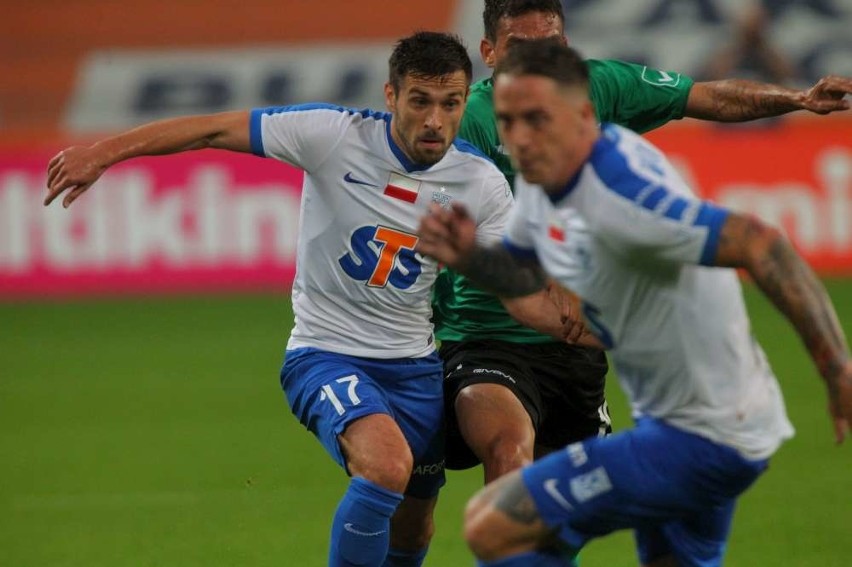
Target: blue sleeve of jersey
{"type": "Point", "coordinates": [518, 251]}
{"type": "Point", "coordinates": [713, 217]}
{"type": "Point", "coordinates": [647, 206]}
{"type": "Point", "coordinates": [297, 133]}
{"type": "Point", "coordinates": [255, 134]}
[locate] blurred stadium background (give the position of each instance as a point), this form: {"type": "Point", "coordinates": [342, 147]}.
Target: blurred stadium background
{"type": "Point", "coordinates": [141, 422]}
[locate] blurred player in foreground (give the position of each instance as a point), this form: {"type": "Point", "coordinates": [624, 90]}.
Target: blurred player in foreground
{"type": "Point", "coordinates": [603, 212]}
{"type": "Point", "coordinates": [514, 394]}
{"type": "Point", "coordinates": [361, 371]}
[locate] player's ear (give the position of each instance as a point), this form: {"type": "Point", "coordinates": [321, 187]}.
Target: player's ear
{"type": "Point", "coordinates": [390, 98]}
{"type": "Point", "coordinates": [486, 51]}
{"type": "Point", "coordinates": [587, 111]}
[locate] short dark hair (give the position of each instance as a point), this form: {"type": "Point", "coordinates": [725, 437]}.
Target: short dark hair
{"type": "Point", "coordinates": [497, 9]}
{"type": "Point", "coordinates": [546, 58]}
{"type": "Point", "coordinates": [429, 55]}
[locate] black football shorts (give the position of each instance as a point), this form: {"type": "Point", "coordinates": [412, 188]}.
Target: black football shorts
{"type": "Point", "coordinates": [560, 385]}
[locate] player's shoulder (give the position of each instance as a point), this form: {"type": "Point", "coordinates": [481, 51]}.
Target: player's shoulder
{"type": "Point", "coordinates": [324, 111]}
{"type": "Point", "coordinates": [626, 163]}
{"type": "Point", "coordinates": [606, 67]}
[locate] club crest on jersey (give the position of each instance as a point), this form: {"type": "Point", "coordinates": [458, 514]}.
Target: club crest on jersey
{"type": "Point", "coordinates": [442, 198]}
{"type": "Point", "coordinates": [660, 78]}
{"type": "Point", "coordinates": [402, 188]}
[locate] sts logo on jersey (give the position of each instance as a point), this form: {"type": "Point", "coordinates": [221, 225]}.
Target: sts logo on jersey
{"type": "Point", "coordinates": [382, 256]}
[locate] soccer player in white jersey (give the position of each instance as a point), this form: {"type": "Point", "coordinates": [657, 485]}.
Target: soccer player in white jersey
{"type": "Point", "coordinates": [603, 212]}
{"type": "Point", "coordinates": [361, 371]}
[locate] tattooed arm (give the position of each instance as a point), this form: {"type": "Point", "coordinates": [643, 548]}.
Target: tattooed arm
{"type": "Point", "coordinates": [791, 285]}
{"type": "Point", "coordinates": [449, 236]}
{"type": "Point", "coordinates": [737, 100]}
{"type": "Point", "coordinates": [495, 269]}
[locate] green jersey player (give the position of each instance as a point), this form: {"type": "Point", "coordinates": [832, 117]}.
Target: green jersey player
{"type": "Point", "coordinates": [512, 393]}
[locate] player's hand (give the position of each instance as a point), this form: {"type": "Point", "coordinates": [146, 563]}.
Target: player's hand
{"type": "Point", "coordinates": [74, 169]}
{"type": "Point", "coordinates": [448, 236]}
{"type": "Point", "coordinates": [827, 95]}
{"type": "Point", "coordinates": [569, 312]}
{"type": "Point", "coordinates": [840, 403]}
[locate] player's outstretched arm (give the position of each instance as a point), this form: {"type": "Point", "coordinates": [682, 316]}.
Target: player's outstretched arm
{"type": "Point", "coordinates": [75, 169]}
{"type": "Point", "coordinates": [449, 236]}
{"type": "Point", "coordinates": [785, 278]}
{"type": "Point", "coordinates": [738, 100]}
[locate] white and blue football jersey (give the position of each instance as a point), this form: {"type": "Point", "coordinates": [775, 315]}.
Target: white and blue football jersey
{"type": "Point", "coordinates": [360, 287]}
{"type": "Point", "coordinates": [630, 238]}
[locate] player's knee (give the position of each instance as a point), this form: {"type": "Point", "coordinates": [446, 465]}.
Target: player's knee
{"type": "Point", "coordinates": [395, 472]}
{"type": "Point", "coordinates": [391, 471]}
{"type": "Point", "coordinates": [507, 453]}
{"type": "Point", "coordinates": [479, 532]}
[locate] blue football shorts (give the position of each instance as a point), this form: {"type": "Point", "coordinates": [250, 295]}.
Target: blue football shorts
{"type": "Point", "coordinates": [676, 490]}
{"type": "Point", "coordinates": [328, 391]}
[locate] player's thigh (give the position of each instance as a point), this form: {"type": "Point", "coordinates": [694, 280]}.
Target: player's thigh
{"type": "Point", "coordinates": [328, 392]}
{"type": "Point", "coordinates": [645, 476]}
{"type": "Point", "coordinates": [489, 413]}
{"type": "Point", "coordinates": [471, 411]}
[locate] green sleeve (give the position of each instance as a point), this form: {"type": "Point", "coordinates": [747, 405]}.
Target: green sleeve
{"type": "Point", "coordinates": [635, 96]}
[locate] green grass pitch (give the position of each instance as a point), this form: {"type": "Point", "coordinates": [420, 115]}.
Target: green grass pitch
{"type": "Point", "coordinates": [154, 433]}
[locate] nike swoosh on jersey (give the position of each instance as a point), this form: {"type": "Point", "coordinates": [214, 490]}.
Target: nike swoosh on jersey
{"type": "Point", "coordinates": [350, 528]}
{"type": "Point", "coordinates": [550, 488]}
{"type": "Point", "coordinates": [349, 179]}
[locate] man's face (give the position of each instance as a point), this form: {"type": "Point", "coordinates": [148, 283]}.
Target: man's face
{"type": "Point", "coordinates": [426, 114]}
{"type": "Point", "coordinates": [532, 25]}
{"type": "Point", "coordinates": [549, 130]}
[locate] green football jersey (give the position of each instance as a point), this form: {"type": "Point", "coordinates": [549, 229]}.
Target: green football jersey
{"type": "Point", "coordinates": [631, 95]}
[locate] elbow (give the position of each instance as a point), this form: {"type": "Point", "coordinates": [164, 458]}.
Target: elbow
{"type": "Point", "coordinates": [765, 244]}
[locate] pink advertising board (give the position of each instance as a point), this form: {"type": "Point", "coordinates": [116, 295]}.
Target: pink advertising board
{"type": "Point", "coordinates": [200, 221]}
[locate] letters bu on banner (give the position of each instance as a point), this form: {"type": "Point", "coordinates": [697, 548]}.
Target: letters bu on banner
{"type": "Point", "coordinates": [191, 222]}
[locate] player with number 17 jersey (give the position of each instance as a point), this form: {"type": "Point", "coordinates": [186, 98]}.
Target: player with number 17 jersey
{"type": "Point", "coordinates": [363, 343]}
{"type": "Point", "coordinates": [360, 288]}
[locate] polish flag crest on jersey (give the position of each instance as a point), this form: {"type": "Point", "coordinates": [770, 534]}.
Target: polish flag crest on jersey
{"type": "Point", "coordinates": [402, 188]}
